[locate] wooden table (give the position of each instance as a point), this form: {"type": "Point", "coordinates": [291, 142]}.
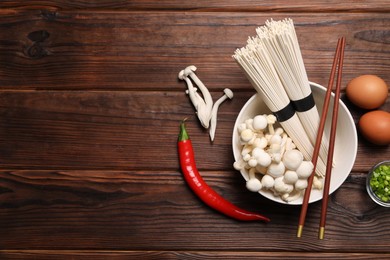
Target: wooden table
{"type": "Point", "coordinates": [90, 106]}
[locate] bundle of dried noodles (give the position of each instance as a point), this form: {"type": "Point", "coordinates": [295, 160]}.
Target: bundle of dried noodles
{"type": "Point", "coordinates": [273, 63]}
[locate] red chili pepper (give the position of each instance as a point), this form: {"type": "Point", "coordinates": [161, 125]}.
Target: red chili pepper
{"type": "Point", "coordinates": [200, 187]}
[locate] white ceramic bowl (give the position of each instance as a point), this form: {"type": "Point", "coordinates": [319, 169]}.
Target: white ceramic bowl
{"type": "Point", "coordinates": [345, 144]}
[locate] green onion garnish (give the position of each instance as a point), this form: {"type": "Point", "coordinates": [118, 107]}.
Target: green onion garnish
{"type": "Point", "coordinates": [380, 182]}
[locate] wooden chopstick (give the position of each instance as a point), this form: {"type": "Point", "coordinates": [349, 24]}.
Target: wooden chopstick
{"type": "Point", "coordinates": [321, 127]}
{"type": "Point", "coordinates": [333, 128]}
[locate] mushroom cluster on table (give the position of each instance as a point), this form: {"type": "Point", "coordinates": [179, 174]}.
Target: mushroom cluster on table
{"type": "Point", "coordinates": [271, 160]}
{"type": "Point", "coordinates": [206, 109]}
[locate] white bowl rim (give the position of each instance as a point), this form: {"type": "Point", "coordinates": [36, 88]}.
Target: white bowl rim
{"type": "Point", "coordinates": [316, 195]}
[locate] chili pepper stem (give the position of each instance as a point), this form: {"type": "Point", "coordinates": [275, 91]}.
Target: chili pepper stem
{"type": "Point", "coordinates": [200, 187]}
{"type": "Point", "coordinates": [183, 135]}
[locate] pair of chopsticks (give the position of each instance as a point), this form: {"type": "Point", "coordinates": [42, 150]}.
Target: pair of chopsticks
{"type": "Point", "coordinates": [337, 65]}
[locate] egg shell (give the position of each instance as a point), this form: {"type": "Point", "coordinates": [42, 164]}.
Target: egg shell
{"type": "Point", "coordinates": [375, 127]}
{"type": "Point", "coordinates": [367, 91]}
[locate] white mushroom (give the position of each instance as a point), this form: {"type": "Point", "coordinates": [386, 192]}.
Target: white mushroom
{"type": "Point", "coordinates": [249, 124]}
{"type": "Point", "coordinates": [283, 144]}
{"type": "Point", "coordinates": [289, 188]}
{"type": "Point", "coordinates": [247, 149]}
{"type": "Point", "coordinates": [246, 135]}
{"type": "Point", "coordinates": [279, 131]}
{"type": "Point", "coordinates": [279, 184]}
{"type": "Point", "coordinates": [261, 169]}
{"type": "Point", "coordinates": [257, 152]}
{"type": "Point", "coordinates": [274, 148]}
{"type": "Point", "coordinates": [241, 127]}
{"type": "Point", "coordinates": [239, 165]}
{"type": "Point", "coordinates": [317, 184]}
{"type": "Point", "coordinates": [196, 99]}
{"type": "Point", "coordinates": [189, 71]}
{"type": "Point", "coordinates": [263, 158]}
{"type": "Point", "coordinates": [252, 162]}
{"type": "Point", "coordinates": [305, 169]}
{"type": "Point", "coordinates": [228, 94]}
{"type": "Point", "coordinates": [271, 120]}
{"type": "Point", "coordinates": [260, 142]}
{"type": "Point", "coordinates": [281, 187]}
{"type": "Point", "coordinates": [259, 122]}
{"type": "Point", "coordinates": [289, 144]}
{"type": "Point", "coordinates": [247, 157]}
{"type": "Point", "coordinates": [203, 105]}
{"type": "Point", "coordinates": [276, 169]}
{"type": "Point", "coordinates": [285, 196]}
{"type": "Point", "coordinates": [267, 181]}
{"type": "Point", "coordinates": [292, 159]}
{"type": "Point", "coordinates": [288, 197]}
{"type": "Point", "coordinates": [276, 139]}
{"type": "Point", "coordinates": [290, 177]}
{"type": "Point", "coordinates": [274, 151]}
{"type": "Point", "coordinates": [253, 184]}
{"type": "Point", "coordinates": [301, 184]}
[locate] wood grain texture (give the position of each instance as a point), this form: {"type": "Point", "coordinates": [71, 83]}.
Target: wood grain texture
{"type": "Point", "coordinates": [206, 5]}
{"type": "Point", "coordinates": [142, 211]}
{"type": "Point", "coordinates": [120, 130]}
{"type": "Point", "coordinates": [80, 50]}
{"type": "Point", "coordinates": [93, 254]}
{"type": "Point", "coordinates": [90, 106]}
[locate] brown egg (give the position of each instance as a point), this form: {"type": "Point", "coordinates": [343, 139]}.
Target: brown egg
{"type": "Point", "coordinates": [367, 91]}
{"type": "Point", "coordinates": [375, 127]}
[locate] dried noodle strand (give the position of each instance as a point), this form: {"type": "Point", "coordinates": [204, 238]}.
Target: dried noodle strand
{"type": "Point", "coordinates": [257, 64]}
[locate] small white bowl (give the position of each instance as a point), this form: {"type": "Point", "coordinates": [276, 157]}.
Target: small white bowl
{"type": "Point", "coordinates": [345, 144]}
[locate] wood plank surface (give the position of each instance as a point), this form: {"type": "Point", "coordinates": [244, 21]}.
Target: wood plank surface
{"type": "Point", "coordinates": [94, 54]}
{"type": "Point", "coordinates": [142, 210]}
{"type": "Point", "coordinates": [120, 130]}
{"type": "Point", "coordinates": [90, 107]}
{"type": "Point", "coordinates": [184, 255]}
{"type": "Point", "coordinates": [207, 5]}
{"type": "Point", "coordinates": [63, 254]}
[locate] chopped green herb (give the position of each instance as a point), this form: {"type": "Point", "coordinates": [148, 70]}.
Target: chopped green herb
{"type": "Point", "coordinates": [380, 182]}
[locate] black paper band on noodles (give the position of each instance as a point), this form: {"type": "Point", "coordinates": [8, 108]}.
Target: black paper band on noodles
{"type": "Point", "coordinates": [304, 104]}
{"type": "Point", "coordinates": [285, 113]}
